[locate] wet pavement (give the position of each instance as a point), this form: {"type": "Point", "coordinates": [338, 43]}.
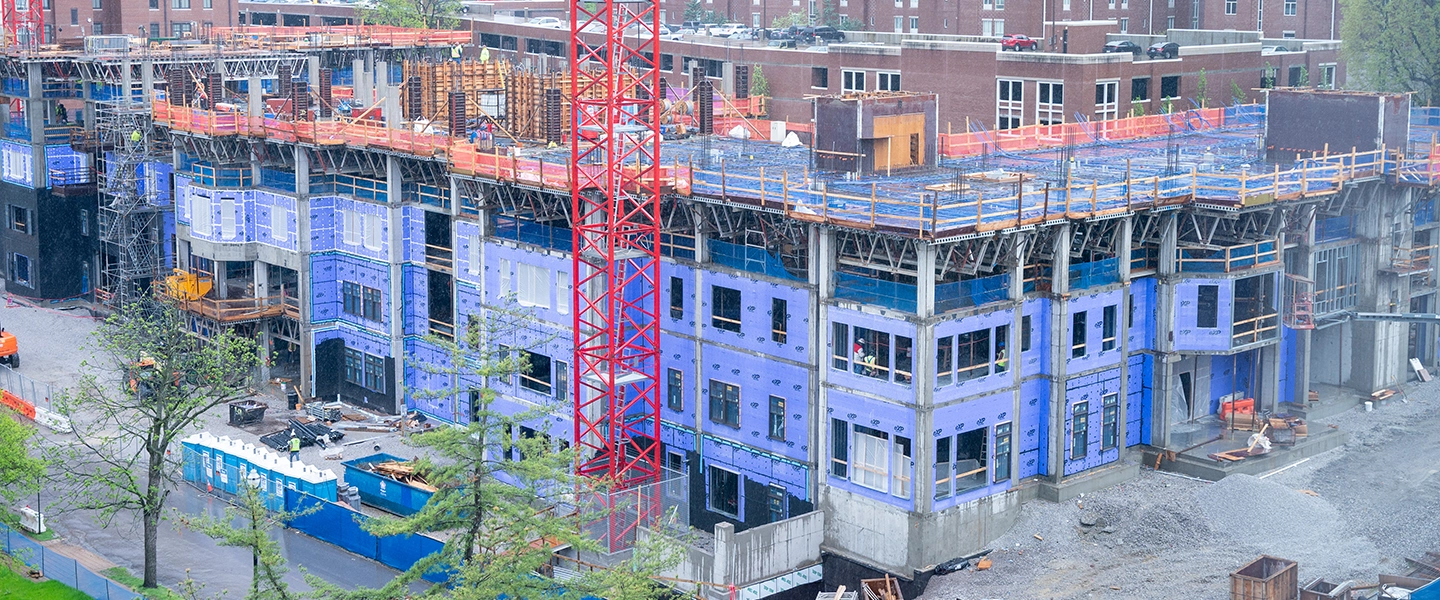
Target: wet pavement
{"type": "Point", "coordinates": [219, 568]}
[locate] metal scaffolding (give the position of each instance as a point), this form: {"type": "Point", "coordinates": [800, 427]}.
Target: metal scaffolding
{"type": "Point", "coordinates": [130, 218]}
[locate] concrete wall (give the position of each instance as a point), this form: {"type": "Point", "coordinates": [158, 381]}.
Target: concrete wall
{"type": "Point", "coordinates": [744, 559]}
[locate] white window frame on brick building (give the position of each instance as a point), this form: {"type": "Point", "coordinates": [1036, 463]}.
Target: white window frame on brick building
{"type": "Point", "coordinates": [1232, 7]}
{"type": "Point", "coordinates": [1047, 111]}
{"type": "Point", "coordinates": [1009, 103]}
{"type": "Point", "coordinates": [853, 81]}
{"type": "Point", "coordinates": [888, 81]}
{"type": "Point", "coordinates": [899, 22]}
{"type": "Point", "coordinates": [1107, 100]}
{"type": "Point", "coordinates": [992, 27]}
{"type": "Point", "coordinates": [1327, 76]}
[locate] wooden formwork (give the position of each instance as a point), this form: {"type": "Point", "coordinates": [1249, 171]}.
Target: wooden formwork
{"type": "Point", "coordinates": [525, 103]}
{"type": "Point", "coordinates": [1268, 578]}
{"type": "Point", "coordinates": [438, 79]}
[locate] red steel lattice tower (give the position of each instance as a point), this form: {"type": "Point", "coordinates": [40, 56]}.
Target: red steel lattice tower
{"type": "Point", "coordinates": [615, 214]}
{"type": "Point", "coordinates": [24, 22]}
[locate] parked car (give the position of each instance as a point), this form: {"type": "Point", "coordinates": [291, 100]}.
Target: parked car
{"type": "Point", "coordinates": [692, 27]}
{"type": "Point", "coordinates": [1018, 43]}
{"type": "Point", "coordinates": [825, 32]}
{"type": "Point", "coordinates": [1163, 50]}
{"type": "Point", "coordinates": [726, 30]}
{"type": "Point", "coordinates": [549, 22]}
{"type": "Point", "coordinates": [1123, 46]}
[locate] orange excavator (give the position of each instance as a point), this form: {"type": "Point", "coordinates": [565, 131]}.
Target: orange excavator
{"type": "Point", "coordinates": [9, 349]}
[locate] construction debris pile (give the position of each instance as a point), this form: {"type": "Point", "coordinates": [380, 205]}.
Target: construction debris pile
{"type": "Point", "coordinates": [403, 472]}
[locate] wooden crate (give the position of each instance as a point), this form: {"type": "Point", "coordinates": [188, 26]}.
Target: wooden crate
{"type": "Point", "coordinates": [1267, 578]}
{"type": "Point", "coordinates": [1319, 589]}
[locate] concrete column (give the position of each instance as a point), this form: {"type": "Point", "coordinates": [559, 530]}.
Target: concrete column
{"type": "Point", "coordinates": [313, 67]}
{"type": "Point", "coordinates": [818, 333]}
{"type": "Point", "coordinates": [1123, 247]}
{"type": "Point", "coordinates": [1123, 243]}
{"type": "Point", "coordinates": [262, 290]}
{"type": "Point", "coordinates": [221, 283]}
{"type": "Point", "coordinates": [254, 97]}
{"type": "Point", "coordinates": [147, 80]}
{"type": "Point", "coordinates": [1016, 269]}
{"type": "Point", "coordinates": [922, 378]}
{"type": "Point", "coordinates": [1163, 386]}
{"type": "Point", "coordinates": [724, 553]}
{"type": "Point", "coordinates": [362, 82]}
{"type": "Point", "coordinates": [1059, 350]}
{"type": "Point", "coordinates": [395, 220]}
{"type": "Point", "coordinates": [302, 175]}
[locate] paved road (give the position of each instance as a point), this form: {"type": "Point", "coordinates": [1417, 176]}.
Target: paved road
{"type": "Point", "coordinates": [219, 568]}
{"type": "Point", "coordinates": [54, 343]}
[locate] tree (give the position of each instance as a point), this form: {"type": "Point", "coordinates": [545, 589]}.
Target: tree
{"type": "Point", "coordinates": [423, 14]}
{"type": "Point", "coordinates": [694, 11]}
{"type": "Point", "coordinates": [759, 85]}
{"type": "Point", "coordinates": [1390, 46]}
{"type": "Point", "coordinates": [267, 579]}
{"type": "Point", "coordinates": [20, 473]}
{"type": "Point", "coordinates": [153, 384]}
{"type": "Point", "coordinates": [1237, 93]}
{"type": "Point", "coordinates": [502, 499]}
{"type": "Point", "coordinates": [794, 19]}
{"type": "Point", "coordinates": [1202, 89]}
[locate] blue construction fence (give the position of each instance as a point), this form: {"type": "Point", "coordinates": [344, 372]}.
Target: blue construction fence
{"type": "Point", "coordinates": [63, 569]}
{"type": "Point", "coordinates": [342, 526]}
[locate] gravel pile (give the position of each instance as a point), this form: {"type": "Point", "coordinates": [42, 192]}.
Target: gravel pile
{"type": "Point", "coordinates": [1376, 500]}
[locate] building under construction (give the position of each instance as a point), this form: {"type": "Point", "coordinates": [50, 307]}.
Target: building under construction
{"type": "Point", "coordinates": [878, 339]}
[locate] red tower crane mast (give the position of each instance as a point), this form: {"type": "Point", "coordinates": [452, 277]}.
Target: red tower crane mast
{"type": "Point", "coordinates": [615, 215]}
{"type": "Point", "coordinates": [24, 22]}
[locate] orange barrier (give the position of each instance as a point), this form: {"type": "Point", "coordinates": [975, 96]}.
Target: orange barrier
{"type": "Point", "coordinates": [1033, 137]}
{"type": "Point", "coordinates": [19, 404]}
{"type": "Point", "coordinates": [337, 35]}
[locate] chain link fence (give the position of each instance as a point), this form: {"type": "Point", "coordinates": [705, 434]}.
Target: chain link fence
{"type": "Point", "coordinates": [63, 569]}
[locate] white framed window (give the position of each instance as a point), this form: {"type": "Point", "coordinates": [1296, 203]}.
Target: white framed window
{"type": "Point", "coordinates": [899, 22]}
{"type": "Point", "coordinates": [1065, 5]}
{"type": "Point", "coordinates": [533, 285]}
{"type": "Point", "coordinates": [1194, 14]}
{"type": "Point", "coordinates": [755, 20]}
{"type": "Point", "coordinates": [1124, 4]}
{"type": "Point", "coordinates": [999, 4]}
{"type": "Point", "coordinates": [472, 256]}
{"type": "Point", "coordinates": [1169, 22]}
{"type": "Point", "coordinates": [889, 82]}
{"type": "Point", "coordinates": [853, 81]}
{"type": "Point", "coordinates": [1327, 76]}
{"type": "Point", "coordinates": [1110, 4]}
{"type": "Point", "coordinates": [1050, 103]}
{"type": "Point", "coordinates": [1231, 7]}
{"type": "Point", "coordinates": [1170, 3]}
{"type": "Point", "coordinates": [914, 3]}
{"type": "Point", "coordinates": [1124, 25]}
{"type": "Point", "coordinates": [201, 219]}
{"type": "Point", "coordinates": [871, 460]}
{"type": "Point", "coordinates": [562, 292]}
{"type": "Point", "coordinates": [1289, 35]}
{"type": "Point", "coordinates": [505, 270]}
{"type": "Point", "coordinates": [900, 480]}
{"type": "Point", "coordinates": [987, 4]}
{"type": "Point", "coordinates": [1009, 103]}
{"type": "Point", "coordinates": [373, 231]}
{"type": "Point", "coordinates": [279, 223]}
{"type": "Point", "coordinates": [1107, 95]}
{"type": "Point", "coordinates": [227, 218]}
{"type": "Point", "coordinates": [899, 3]}
{"type": "Point", "coordinates": [914, 24]}
{"type": "Point", "coordinates": [352, 227]}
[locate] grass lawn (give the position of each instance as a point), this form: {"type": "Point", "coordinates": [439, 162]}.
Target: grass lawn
{"type": "Point", "coordinates": [13, 520]}
{"type": "Point", "coordinates": [15, 585]}
{"type": "Point", "coordinates": [123, 577]}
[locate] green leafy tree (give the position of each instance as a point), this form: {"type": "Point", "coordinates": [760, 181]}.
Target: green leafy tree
{"type": "Point", "coordinates": [1237, 93]}
{"type": "Point", "coordinates": [423, 14]}
{"type": "Point", "coordinates": [248, 524]}
{"type": "Point", "coordinates": [1390, 45]}
{"type": "Point", "coordinates": [501, 499]}
{"type": "Point", "coordinates": [759, 85]}
{"type": "Point", "coordinates": [794, 19]}
{"type": "Point", "coordinates": [153, 382]}
{"type": "Point", "coordinates": [1202, 89]}
{"type": "Point", "coordinates": [1304, 80]}
{"type": "Point", "coordinates": [20, 471]}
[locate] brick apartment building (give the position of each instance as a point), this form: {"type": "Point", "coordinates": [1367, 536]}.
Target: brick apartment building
{"type": "Point", "coordinates": [75, 19]}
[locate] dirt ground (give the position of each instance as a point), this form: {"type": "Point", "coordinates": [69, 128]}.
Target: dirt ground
{"type": "Point", "coordinates": [1370, 504]}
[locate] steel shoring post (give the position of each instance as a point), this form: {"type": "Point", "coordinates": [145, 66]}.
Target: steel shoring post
{"type": "Point", "coordinates": [615, 202]}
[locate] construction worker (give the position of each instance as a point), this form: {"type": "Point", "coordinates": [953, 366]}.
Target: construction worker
{"type": "Point", "coordinates": [134, 137]}
{"type": "Point", "coordinates": [294, 447]}
{"type": "Point", "coordinates": [455, 53]}
{"type": "Point", "coordinates": [484, 54]}
{"type": "Point", "coordinates": [62, 116]}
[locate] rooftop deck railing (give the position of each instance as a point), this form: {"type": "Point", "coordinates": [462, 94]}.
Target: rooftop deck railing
{"type": "Point", "coordinates": [908, 211]}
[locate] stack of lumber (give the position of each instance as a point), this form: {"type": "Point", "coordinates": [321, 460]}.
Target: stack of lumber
{"type": "Point", "coordinates": [402, 472]}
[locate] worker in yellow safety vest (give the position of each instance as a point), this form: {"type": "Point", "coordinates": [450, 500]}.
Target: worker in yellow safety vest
{"type": "Point", "coordinates": [455, 52]}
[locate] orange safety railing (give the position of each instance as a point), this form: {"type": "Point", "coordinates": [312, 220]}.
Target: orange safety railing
{"type": "Point", "coordinates": [337, 36]}
{"type": "Point", "coordinates": [1033, 137]}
